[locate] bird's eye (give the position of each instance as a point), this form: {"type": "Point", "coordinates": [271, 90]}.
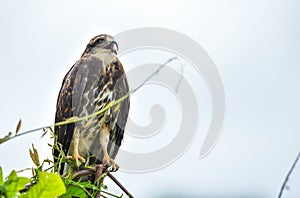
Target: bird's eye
{"type": "Point", "coordinates": [101, 39]}
{"type": "Point", "coordinates": [96, 41]}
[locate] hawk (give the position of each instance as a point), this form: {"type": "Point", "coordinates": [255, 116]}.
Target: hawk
{"type": "Point", "coordinates": [95, 80]}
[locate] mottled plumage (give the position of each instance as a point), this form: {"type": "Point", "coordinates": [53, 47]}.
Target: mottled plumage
{"type": "Point", "coordinates": [94, 81]}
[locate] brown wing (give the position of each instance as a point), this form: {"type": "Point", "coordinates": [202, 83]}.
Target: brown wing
{"type": "Point", "coordinates": [120, 116]}
{"type": "Point", "coordinates": [76, 99]}
{"type": "Point", "coordinates": [64, 110]}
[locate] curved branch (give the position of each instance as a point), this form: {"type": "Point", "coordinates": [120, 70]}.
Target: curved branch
{"type": "Point", "coordinates": [283, 186]}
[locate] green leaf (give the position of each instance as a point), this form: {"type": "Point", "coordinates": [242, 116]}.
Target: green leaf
{"type": "Point", "coordinates": [14, 184]}
{"type": "Point", "coordinates": [1, 176]}
{"type": "Point", "coordinates": [74, 191]}
{"type": "Point", "coordinates": [104, 187]}
{"type": "Point", "coordinates": [48, 185]}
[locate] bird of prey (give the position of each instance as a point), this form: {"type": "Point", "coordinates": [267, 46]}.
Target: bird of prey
{"type": "Point", "coordinates": [95, 80]}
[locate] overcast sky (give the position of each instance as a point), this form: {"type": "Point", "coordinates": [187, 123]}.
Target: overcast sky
{"type": "Point", "coordinates": [254, 44]}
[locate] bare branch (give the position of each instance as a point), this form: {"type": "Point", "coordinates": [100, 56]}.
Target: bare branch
{"type": "Point", "coordinates": [284, 184]}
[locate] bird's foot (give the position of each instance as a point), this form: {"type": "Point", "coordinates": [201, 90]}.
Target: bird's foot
{"type": "Point", "coordinates": [110, 164]}
{"type": "Point", "coordinates": [76, 157]}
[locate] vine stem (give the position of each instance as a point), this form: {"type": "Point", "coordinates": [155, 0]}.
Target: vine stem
{"type": "Point", "coordinates": [286, 179]}
{"type": "Point", "coordinates": [27, 132]}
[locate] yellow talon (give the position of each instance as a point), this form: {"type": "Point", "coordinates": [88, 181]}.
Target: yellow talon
{"type": "Point", "coordinates": [76, 157]}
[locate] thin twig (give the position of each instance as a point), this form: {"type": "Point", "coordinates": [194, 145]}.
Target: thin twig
{"type": "Point", "coordinates": [110, 194]}
{"type": "Point", "coordinates": [80, 173]}
{"type": "Point", "coordinates": [153, 74]}
{"type": "Point", "coordinates": [120, 185]}
{"type": "Point", "coordinates": [283, 186]}
{"type": "Point", "coordinates": [98, 172]}
{"type": "Point", "coordinates": [30, 131]}
{"type": "Point", "coordinates": [181, 77]}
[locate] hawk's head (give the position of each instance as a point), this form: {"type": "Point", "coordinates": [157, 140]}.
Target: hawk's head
{"type": "Point", "coordinates": [102, 42]}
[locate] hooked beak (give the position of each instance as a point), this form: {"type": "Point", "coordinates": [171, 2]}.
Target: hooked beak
{"type": "Point", "coordinates": [114, 47]}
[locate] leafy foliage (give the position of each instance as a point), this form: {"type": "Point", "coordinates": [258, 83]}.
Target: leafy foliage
{"type": "Point", "coordinates": [13, 184]}
{"type": "Point", "coordinates": [74, 191]}
{"type": "Point", "coordinates": [48, 185]}
{"type": "Point", "coordinates": [47, 182]}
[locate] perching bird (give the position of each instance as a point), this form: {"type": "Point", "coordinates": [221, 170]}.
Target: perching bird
{"type": "Point", "coordinates": [93, 82]}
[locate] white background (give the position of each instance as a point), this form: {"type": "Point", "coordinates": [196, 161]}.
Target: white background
{"type": "Point", "coordinates": [254, 44]}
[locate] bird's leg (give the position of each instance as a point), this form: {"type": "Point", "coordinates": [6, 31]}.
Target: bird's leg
{"type": "Point", "coordinates": [75, 156]}
{"type": "Point", "coordinates": [107, 161]}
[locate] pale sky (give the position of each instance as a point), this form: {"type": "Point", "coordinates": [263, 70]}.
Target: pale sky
{"type": "Point", "coordinates": [254, 44]}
